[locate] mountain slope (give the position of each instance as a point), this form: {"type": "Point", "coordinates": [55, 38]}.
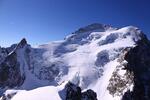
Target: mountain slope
{"type": "Point", "coordinates": [97, 57]}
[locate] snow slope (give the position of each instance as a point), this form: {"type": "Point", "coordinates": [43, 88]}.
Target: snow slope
{"type": "Point", "coordinates": [87, 58]}
{"type": "Point", "coordinates": [44, 93]}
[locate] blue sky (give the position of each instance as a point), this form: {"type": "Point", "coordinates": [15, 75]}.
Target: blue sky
{"type": "Point", "coordinates": [41, 21]}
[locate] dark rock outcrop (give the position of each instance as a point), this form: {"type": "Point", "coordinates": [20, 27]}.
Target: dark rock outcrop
{"type": "Point", "coordinates": [138, 59]}
{"type": "Point", "coordinates": [73, 92]}
{"type": "Point", "coordinates": [89, 95]}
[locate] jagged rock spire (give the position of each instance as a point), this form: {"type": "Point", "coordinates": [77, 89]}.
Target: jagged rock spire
{"type": "Point", "coordinates": [22, 43]}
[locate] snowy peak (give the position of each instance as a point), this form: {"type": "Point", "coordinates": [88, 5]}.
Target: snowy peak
{"type": "Point", "coordinates": [103, 32]}
{"type": "Point", "coordinates": [92, 27]}
{"type": "Point", "coordinates": [134, 32]}
{"type": "Point", "coordinates": [82, 35]}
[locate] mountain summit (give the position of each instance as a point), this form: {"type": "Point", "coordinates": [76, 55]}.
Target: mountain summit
{"type": "Point", "coordinates": [93, 27]}
{"type": "Point", "coordinates": [96, 62]}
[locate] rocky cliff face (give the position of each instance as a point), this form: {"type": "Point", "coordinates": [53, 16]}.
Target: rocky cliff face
{"type": "Point", "coordinates": [10, 74]}
{"type": "Point", "coordinates": [138, 59]}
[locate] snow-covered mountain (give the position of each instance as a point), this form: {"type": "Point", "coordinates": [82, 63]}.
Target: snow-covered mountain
{"type": "Point", "coordinates": [94, 62]}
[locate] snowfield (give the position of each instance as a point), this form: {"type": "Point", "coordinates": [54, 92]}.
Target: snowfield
{"type": "Point", "coordinates": [44, 93]}
{"type": "Point", "coordinates": [87, 59]}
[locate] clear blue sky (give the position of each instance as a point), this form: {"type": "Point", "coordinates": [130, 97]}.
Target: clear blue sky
{"type": "Point", "coordinates": [41, 21]}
